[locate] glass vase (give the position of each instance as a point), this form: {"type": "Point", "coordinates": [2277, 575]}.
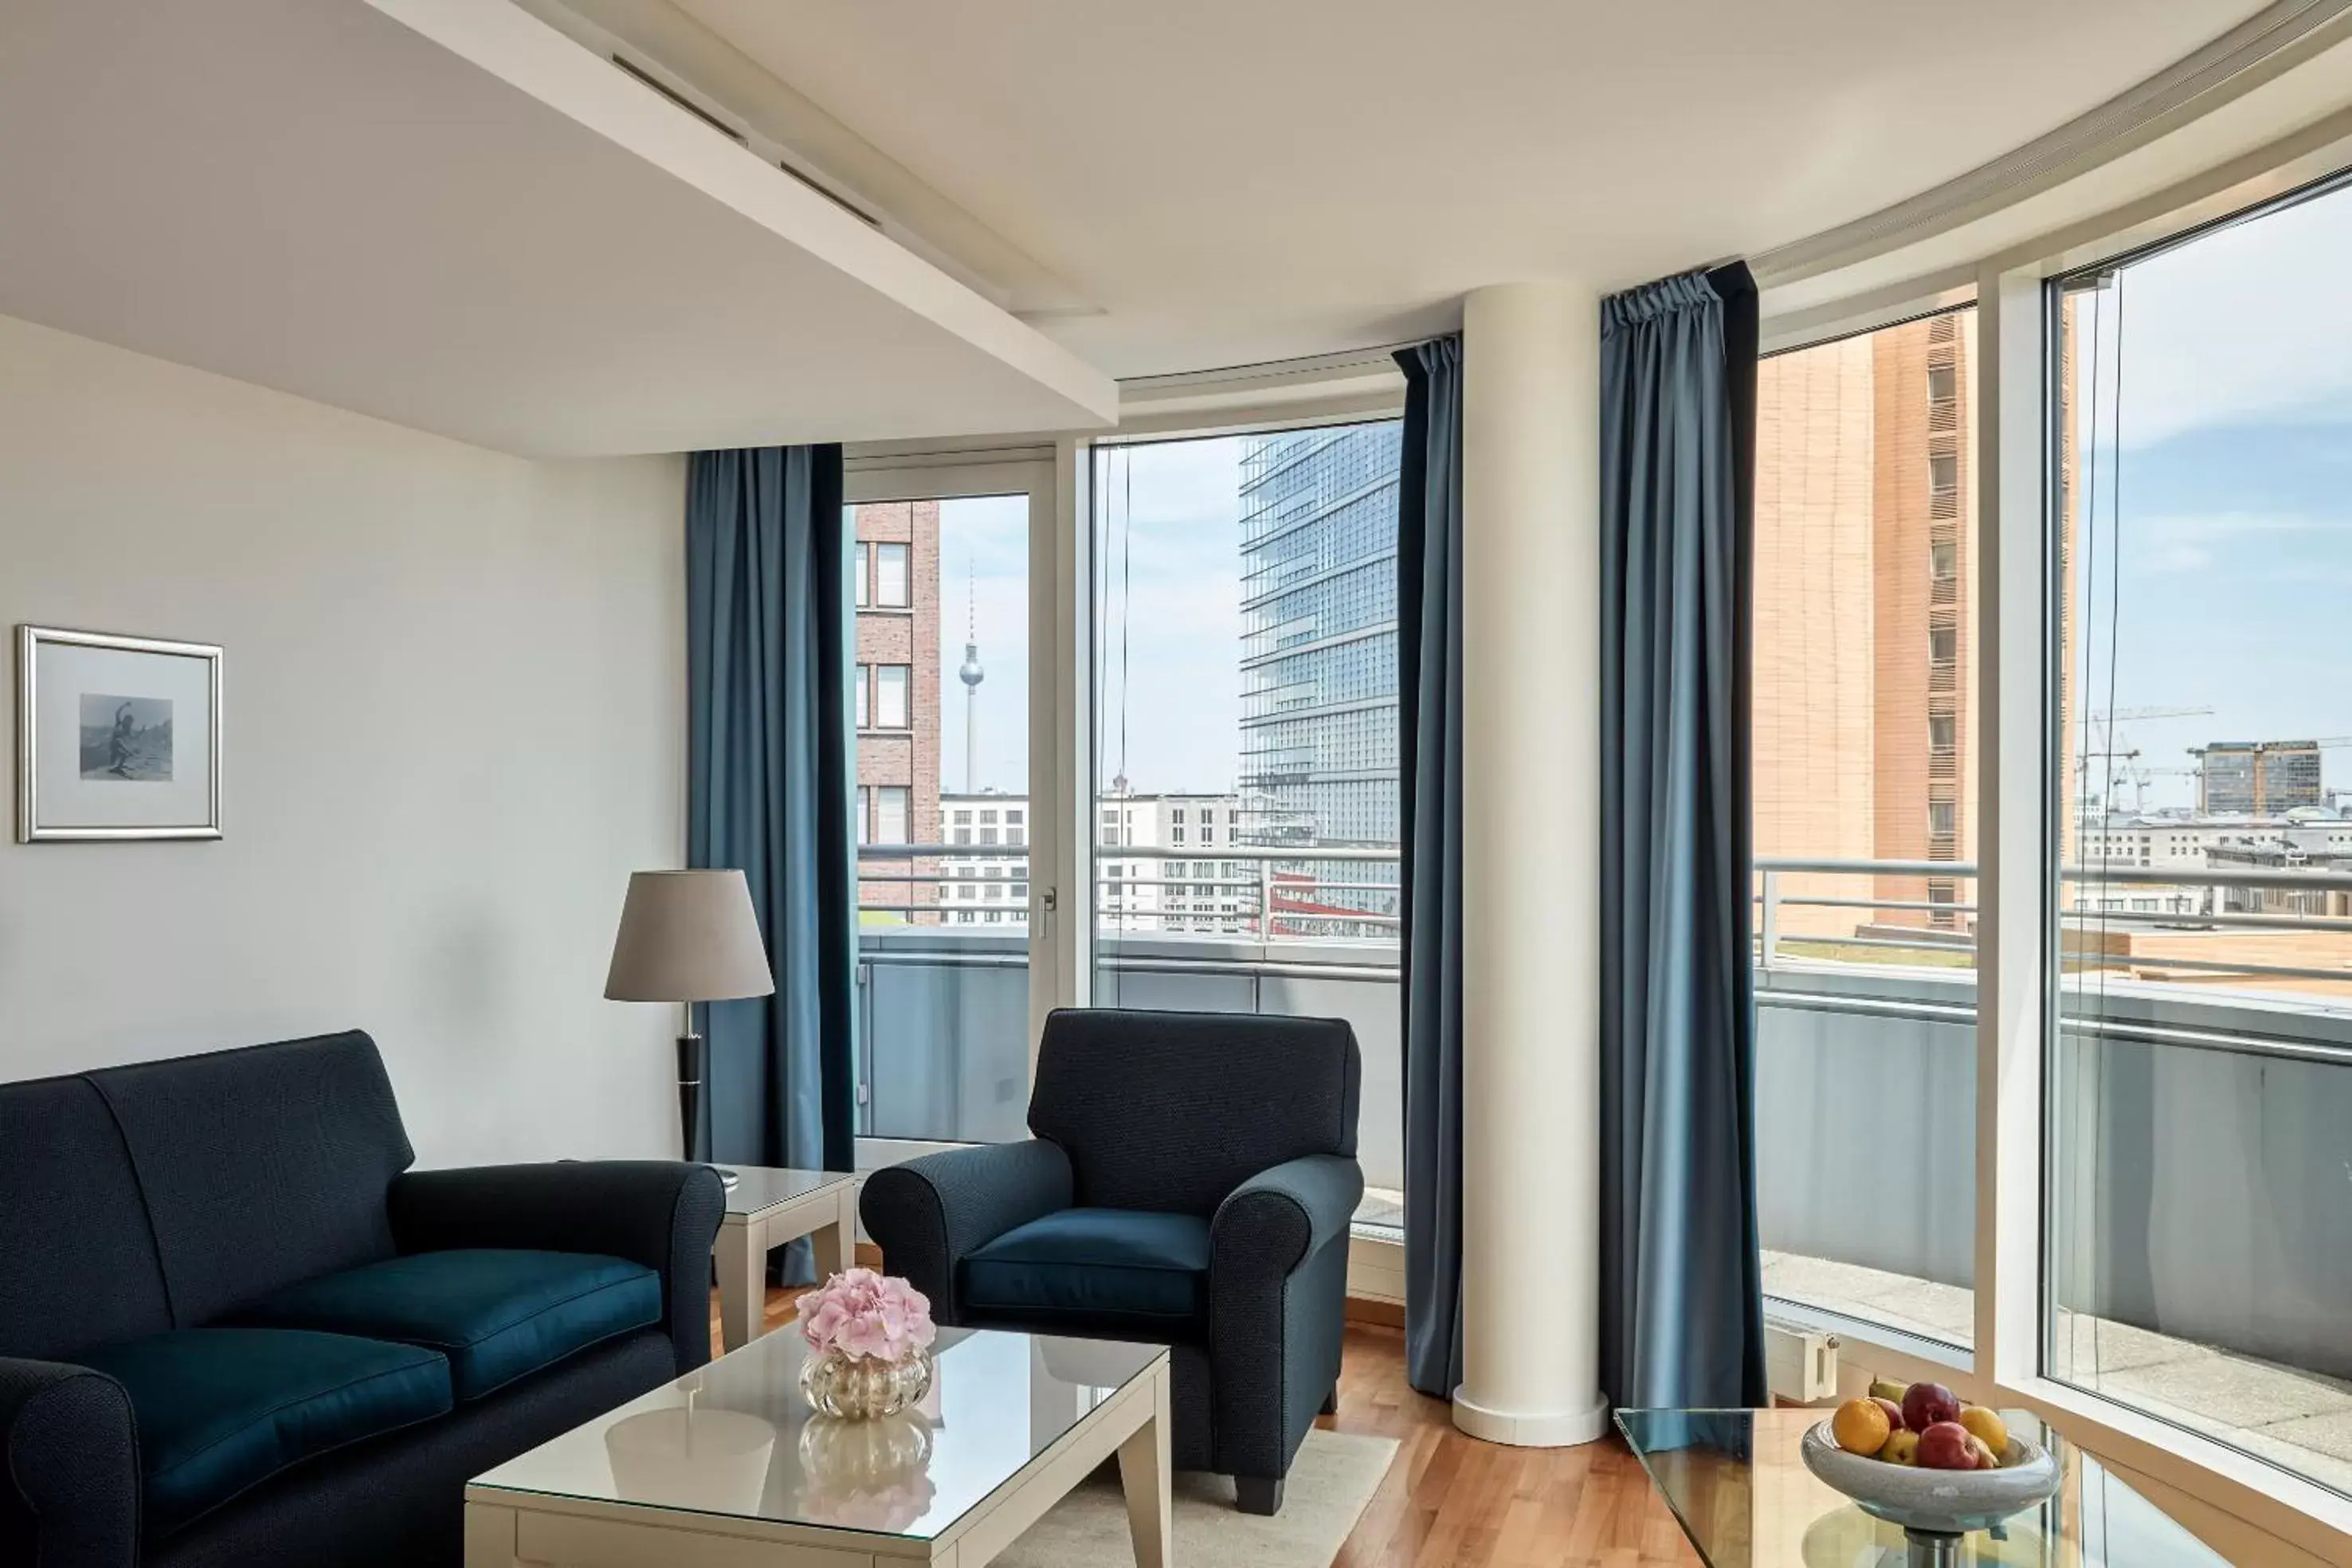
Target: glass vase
{"type": "Point", "coordinates": [859, 1388]}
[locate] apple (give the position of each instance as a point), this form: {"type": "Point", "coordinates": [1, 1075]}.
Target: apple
{"type": "Point", "coordinates": [1901, 1447]}
{"type": "Point", "coordinates": [1946, 1446]}
{"type": "Point", "coordinates": [1895, 1422]}
{"type": "Point", "coordinates": [1926, 1403]}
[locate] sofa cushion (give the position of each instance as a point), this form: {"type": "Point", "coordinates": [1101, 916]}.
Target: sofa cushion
{"type": "Point", "coordinates": [220, 1410]}
{"type": "Point", "coordinates": [1108, 1268]}
{"type": "Point", "coordinates": [260, 1167]}
{"type": "Point", "coordinates": [496, 1313]}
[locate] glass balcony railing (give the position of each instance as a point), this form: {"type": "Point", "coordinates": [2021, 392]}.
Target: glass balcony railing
{"type": "Point", "coordinates": [2200, 1246]}
{"type": "Point", "coordinates": [943, 1004]}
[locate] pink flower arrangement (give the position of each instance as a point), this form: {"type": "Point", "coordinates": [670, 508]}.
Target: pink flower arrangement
{"type": "Point", "coordinates": [867, 1317]}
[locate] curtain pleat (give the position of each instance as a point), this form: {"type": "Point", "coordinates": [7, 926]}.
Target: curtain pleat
{"type": "Point", "coordinates": [768, 793]}
{"type": "Point", "coordinates": [1429, 689]}
{"type": "Point", "coordinates": [1682, 1311]}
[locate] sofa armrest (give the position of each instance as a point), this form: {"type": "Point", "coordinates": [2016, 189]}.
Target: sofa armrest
{"type": "Point", "coordinates": [661, 1214]}
{"type": "Point", "coordinates": [1277, 1307]}
{"type": "Point", "coordinates": [930, 1212]}
{"type": "Point", "coordinates": [69, 1488]}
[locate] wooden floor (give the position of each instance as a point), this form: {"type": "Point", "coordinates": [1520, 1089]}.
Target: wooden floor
{"type": "Point", "coordinates": [1451, 1502]}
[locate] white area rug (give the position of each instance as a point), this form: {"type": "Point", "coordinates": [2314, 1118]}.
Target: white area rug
{"type": "Point", "coordinates": [1333, 1477]}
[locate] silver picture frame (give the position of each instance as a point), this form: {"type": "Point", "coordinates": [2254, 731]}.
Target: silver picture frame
{"type": "Point", "coordinates": [31, 828]}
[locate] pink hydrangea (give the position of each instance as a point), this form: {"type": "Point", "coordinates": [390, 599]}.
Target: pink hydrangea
{"type": "Point", "coordinates": [867, 1317]}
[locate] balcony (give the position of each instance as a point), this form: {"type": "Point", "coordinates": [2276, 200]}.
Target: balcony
{"type": "Point", "coordinates": [2200, 1242]}
{"type": "Point", "coordinates": [943, 1010]}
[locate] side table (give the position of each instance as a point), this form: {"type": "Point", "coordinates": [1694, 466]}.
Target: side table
{"type": "Point", "coordinates": [767, 1208]}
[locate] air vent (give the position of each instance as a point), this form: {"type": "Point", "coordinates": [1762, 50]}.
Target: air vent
{"type": "Point", "coordinates": [852, 209]}
{"type": "Point", "coordinates": [638, 73]}
{"type": "Point", "coordinates": [683, 102]}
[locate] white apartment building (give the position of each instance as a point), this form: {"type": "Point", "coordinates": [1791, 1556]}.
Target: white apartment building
{"type": "Point", "coordinates": [985, 881]}
{"type": "Point", "coordinates": [2307, 836]}
{"type": "Point", "coordinates": [1185, 889]}
{"type": "Point", "coordinates": [985, 886]}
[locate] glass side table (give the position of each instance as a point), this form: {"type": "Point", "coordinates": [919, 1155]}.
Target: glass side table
{"type": "Point", "coordinates": [1741, 1493]}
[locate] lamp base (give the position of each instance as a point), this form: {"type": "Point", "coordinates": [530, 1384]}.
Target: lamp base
{"type": "Point", "coordinates": [692, 1059]}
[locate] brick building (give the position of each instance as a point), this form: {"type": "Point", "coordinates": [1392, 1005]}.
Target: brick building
{"type": "Point", "coordinates": [1865, 580]}
{"type": "Point", "coordinates": [895, 700]}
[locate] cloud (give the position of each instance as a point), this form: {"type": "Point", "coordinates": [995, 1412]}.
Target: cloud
{"type": "Point", "coordinates": [2243, 325]}
{"type": "Point", "coordinates": [2199, 542]}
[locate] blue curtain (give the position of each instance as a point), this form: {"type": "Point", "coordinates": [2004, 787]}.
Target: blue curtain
{"type": "Point", "coordinates": [1429, 690]}
{"type": "Point", "coordinates": [1682, 1308]}
{"type": "Point", "coordinates": [768, 768]}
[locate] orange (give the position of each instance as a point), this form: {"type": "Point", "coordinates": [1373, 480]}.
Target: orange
{"type": "Point", "coordinates": [1860, 1426]}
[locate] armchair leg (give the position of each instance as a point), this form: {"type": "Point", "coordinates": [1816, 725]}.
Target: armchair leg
{"type": "Point", "coordinates": [1258, 1494]}
{"type": "Point", "coordinates": [1331, 1401]}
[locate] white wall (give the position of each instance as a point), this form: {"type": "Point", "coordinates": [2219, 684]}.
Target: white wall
{"type": "Point", "coordinates": [454, 687]}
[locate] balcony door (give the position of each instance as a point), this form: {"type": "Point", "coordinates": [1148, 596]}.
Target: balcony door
{"type": "Point", "coordinates": [951, 793]}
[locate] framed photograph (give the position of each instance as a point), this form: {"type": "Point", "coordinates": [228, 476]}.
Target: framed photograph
{"type": "Point", "coordinates": [117, 737]}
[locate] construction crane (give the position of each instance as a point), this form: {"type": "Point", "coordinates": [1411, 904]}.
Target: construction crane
{"type": "Point", "coordinates": [2120, 757]}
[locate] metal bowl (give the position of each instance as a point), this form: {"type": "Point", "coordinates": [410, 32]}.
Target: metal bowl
{"type": "Point", "coordinates": [1935, 1503]}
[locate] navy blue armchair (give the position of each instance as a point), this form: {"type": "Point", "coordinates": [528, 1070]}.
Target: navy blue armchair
{"type": "Point", "coordinates": [1190, 1183]}
{"type": "Point", "coordinates": [236, 1328]}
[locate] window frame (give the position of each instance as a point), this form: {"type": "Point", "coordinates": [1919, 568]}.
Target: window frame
{"type": "Point", "coordinates": [2015, 650]}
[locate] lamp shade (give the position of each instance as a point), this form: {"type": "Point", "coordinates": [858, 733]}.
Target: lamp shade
{"type": "Point", "coordinates": [687, 936]}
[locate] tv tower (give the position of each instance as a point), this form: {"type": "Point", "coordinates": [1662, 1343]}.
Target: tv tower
{"type": "Point", "coordinates": [971, 675]}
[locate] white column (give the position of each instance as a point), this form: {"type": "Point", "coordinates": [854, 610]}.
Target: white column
{"type": "Point", "coordinates": [1531, 830]}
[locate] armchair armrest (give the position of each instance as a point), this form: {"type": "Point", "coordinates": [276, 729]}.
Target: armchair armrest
{"type": "Point", "coordinates": [928, 1213]}
{"type": "Point", "coordinates": [661, 1214]}
{"type": "Point", "coordinates": [1277, 1219]}
{"type": "Point", "coordinates": [1277, 1307]}
{"type": "Point", "coordinates": [69, 1491]}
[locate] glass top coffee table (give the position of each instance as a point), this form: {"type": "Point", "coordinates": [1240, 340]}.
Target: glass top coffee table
{"type": "Point", "coordinates": [1745, 1499]}
{"type": "Point", "coordinates": [729, 1467]}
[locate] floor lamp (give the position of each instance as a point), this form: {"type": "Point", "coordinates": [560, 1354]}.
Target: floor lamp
{"type": "Point", "coordinates": [689, 937]}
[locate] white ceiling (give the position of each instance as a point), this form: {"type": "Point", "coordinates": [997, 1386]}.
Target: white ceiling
{"type": "Point", "coordinates": [1236, 181]}
{"type": "Point", "coordinates": [487, 232]}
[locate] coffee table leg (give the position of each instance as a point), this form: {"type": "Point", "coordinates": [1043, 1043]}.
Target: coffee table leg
{"type": "Point", "coordinates": [742, 1258]}
{"type": "Point", "coordinates": [1144, 1476]}
{"type": "Point", "coordinates": [490, 1536]}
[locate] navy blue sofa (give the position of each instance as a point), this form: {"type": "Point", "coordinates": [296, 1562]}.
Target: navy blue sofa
{"type": "Point", "coordinates": [236, 1328]}
{"type": "Point", "coordinates": [1191, 1183]}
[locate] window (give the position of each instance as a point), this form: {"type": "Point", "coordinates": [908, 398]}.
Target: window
{"type": "Point", "coordinates": [891, 684]}
{"type": "Point", "coordinates": [1943, 384]}
{"type": "Point", "coordinates": [1943, 472]}
{"type": "Point", "coordinates": [891, 814]}
{"type": "Point", "coordinates": [1865, 1001]}
{"type": "Point", "coordinates": [893, 586]}
{"type": "Point", "coordinates": [864, 814]}
{"type": "Point", "coordinates": [1245, 675]}
{"type": "Point", "coordinates": [2198, 1074]}
{"type": "Point", "coordinates": [944, 1039]}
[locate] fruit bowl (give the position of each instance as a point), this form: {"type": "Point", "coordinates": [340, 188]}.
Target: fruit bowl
{"type": "Point", "coordinates": [1934, 1502]}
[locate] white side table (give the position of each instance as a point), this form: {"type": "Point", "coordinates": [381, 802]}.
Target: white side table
{"type": "Point", "coordinates": [767, 1208]}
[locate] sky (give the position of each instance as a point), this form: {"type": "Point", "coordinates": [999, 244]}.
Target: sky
{"type": "Point", "coordinates": [2234, 401]}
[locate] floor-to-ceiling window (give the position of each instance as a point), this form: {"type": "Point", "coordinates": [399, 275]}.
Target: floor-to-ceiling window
{"type": "Point", "coordinates": [1864, 725]}
{"type": "Point", "coordinates": [2198, 1071]}
{"type": "Point", "coordinates": [1245, 816]}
